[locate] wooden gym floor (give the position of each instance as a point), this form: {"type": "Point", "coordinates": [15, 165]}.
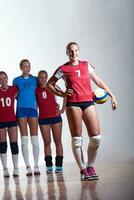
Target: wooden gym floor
{"type": "Point", "coordinates": [116, 183]}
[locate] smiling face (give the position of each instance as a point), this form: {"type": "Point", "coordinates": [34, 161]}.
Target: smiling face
{"type": "Point", "coordinates": [25, 68]}
{"type": "Point", "coordinates": [3, 80]}
{"type": "Point", "coordinates": [42, 78]}
{"type": "Point", "coordinates": [73, 53]}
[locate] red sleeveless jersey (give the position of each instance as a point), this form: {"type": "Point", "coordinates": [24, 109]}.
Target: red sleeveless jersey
{"type": "Point", "coordinates": [46, 103]}
{"type": "Point", "coordinates": [7, 97]}
{"type": "Point", "coordinates": [77, 78]}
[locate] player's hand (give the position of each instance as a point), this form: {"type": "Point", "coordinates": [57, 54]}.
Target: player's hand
{"type": "Point", "coordinates": [59, 112]}
{"type": "Point", "coordinates": [114, 103]}
{"type": "Point", "coordinates": [68, 92]}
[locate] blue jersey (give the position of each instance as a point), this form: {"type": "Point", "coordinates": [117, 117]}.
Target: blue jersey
{"type": "Point", "coordinates": [26, 95]}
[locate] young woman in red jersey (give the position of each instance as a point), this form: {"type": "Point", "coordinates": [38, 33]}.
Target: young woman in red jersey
{"type": "Point", "coordinates": [80, 106]}
{"type": "Point", "coordinates": [49, 120]}
{"type": "Point", "coordinates": [8, 124]}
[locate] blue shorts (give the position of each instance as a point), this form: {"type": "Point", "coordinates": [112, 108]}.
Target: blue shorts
{"type": "Point", "coordinates": [81, 105]}
{"type": "Point", "coordinates": [8, 124]}
{"type": "Point", "coordinates": [49, 121]}
{"type": "Point", "coordinates": [26, 112]}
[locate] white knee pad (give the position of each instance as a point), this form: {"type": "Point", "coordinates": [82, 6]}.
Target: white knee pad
{"type": "Point", "coordinates": [34, 141]}
{"type": "Point", "coordinates": [77, 142]}
{"type": "Point", "coordinates": [95, 140]}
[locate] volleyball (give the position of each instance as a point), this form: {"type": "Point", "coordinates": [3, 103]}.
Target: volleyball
{"type": "Point", "coordinates": [100, 96]}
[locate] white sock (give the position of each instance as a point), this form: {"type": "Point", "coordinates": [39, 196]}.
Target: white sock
{"type": "Point", "coordinates": [25, 151]}
{"type": "Point", "coordinates": [77, 151]}
{"type": "Point", "coordinates": [35, 143]}
{"type": "Point", "coordinates": [15, 160]}
{"type": "Point", "coordinates": [3, 157]}
{"type": "Point", "coordinates": [93, 149]}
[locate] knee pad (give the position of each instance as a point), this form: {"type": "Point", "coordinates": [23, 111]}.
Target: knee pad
{"type": "Point", "coordinates": [95, 140]}
{"type": "Point", "coordinates": [14, 147]}
{"type": "Point", "coordinates": [3, 147]}
{"type": "Point", "coordinates": [77, 142]}
{"type": "Point", "coordinates": [34, 141]}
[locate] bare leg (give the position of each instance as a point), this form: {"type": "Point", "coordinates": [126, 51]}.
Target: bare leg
{"type": "Point", "coordinates": [24, 139]}
{"type": "Point", "coordinates": [33, 125]}
{"type": "Point", "coordinates": [13, 136]}
{"type": "Point", "coordinates": [45, 131]}
{"type": "Point", "coordinates": [3, 148]}
{"type": "Point", "coordinates": [74, 115]}
{"type": "Point", "coordinates": [57, 131]}
{"type": "Point", "coordinates": [92, 123]}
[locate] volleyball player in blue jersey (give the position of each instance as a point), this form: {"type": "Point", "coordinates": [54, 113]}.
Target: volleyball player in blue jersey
{"type": "Point", "coordinates": [27, 114]}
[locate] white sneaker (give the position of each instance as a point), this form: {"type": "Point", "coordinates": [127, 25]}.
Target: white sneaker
{"type": "Point", "coordinates": [29, 171]}
{"type": "Point", "coordinates": [16, 172]}
{"type": "Point", "coordinates": [6, 172]}
{"type": "Point", "coordinates": [36, 171]}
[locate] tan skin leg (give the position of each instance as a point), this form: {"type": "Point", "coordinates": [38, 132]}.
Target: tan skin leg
{"type": "Point", "coordinates": [74, 116]}
{"type": "Point", "coordinates": [23, 126]}
{"type": "Point", "coordinates": [13, 134]}
{"type": "Point", "coordinates": [91, 121]}
{"type": "Point", "coordinates": [33, 125]}
{"type": "Point", "coordinates": [3, 135]}
{"type": "Point", "coordinates": [45, 131]}
{"type": "Point", "coordinates": [57, 131]}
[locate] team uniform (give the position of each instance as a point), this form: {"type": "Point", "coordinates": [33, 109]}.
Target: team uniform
{"type": "Point", "coordinates": [26, 100]}
{"type": "Point", "coordinates": [8, 120]}
{"type": "Point", "coordinates": [77, 79]}
{"type": "Point", "coordinates": [7, 112]}
{"type": "Point", "coordinates": [27, 108]}
{"type": "Point", "coordinates": [48, 116]}
{"type": "Point", "coordinates": [47, 107]}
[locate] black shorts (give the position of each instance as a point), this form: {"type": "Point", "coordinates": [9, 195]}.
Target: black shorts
{"type": "Point", "coordinates": [82, 105]}
{"type": "Point", "coordinates": [8, 124]}
{"type": "Point", "coordinates": [49, 121]}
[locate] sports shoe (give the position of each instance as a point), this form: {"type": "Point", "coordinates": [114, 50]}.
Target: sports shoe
{"type": "Point", "coordinates": [58, 169]}
{"type": "Point", "coordinates": [92, 173]}
{"type": "Point", "coordinates": [6, 172]}
{"type": "Point", "coordinates": [16, 172]}
{"type": "Point", "coordinates": [29, 171]}
{"type": "Point", "coordinates": [36, 171]}
{"type": "Point", "coordinates": [49, 170]}
{"type": "Point", "coordinates": [85, 175]}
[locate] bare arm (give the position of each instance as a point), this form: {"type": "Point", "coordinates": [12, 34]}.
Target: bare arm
{"type": "Point", "coordinates": [96, 79]}
{"type": "Point", "coordinates": [52, 87]}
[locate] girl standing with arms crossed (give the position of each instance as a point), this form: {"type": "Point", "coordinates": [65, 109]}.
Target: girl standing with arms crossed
{"type": "Point", "coordinates": [8, 124]}
{"type": "Point", "coordinates": [27, 114]}
{"type": "Point", "coordinates": [49, 119]}
{"type": "Point", "coordinates": [80, 106]}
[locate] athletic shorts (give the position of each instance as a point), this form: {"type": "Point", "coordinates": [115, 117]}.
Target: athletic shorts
{"type": "Point", "coordinates": [49, 121]}
{"type": "Point", "coordinates": [82, 105]}
{"type": "Point", "coordinates": [26, 112]}
{"type": "Point", "coordinates": [8, 124]}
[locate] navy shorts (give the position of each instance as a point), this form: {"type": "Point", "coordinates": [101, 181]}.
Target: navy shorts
{"type": "Point", "coordinates": [26, 112]}
{"type": "Point", "coordinates": [8, 124]}
{"type": "Point", "coordinates": [49, 121]}
{"type": "Point", "coordinates": [82, 105]}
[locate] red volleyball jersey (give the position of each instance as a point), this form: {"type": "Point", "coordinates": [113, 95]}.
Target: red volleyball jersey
{"type": "Point", "coordinates": [77, 78]}
{"type": "Point", "coordinates": [7, 97]}
{"type": "Point", "coordinates": [46, 102]}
